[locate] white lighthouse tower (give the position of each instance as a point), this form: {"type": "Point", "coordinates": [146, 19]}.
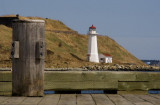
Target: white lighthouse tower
{"type": "Point", "coordinates": [92, 55]}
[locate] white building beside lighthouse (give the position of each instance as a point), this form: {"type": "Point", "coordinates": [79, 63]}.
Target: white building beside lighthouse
{"type": "Point", "coordinates": [92, 55]}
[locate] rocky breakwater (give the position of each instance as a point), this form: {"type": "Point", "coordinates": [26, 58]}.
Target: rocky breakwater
{"type": "Point", "coordinates": [117, 67]}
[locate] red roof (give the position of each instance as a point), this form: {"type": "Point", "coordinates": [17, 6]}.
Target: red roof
{"type": "Point", "coordinates": [93, 27]}
{"type": "Point", "coordinates": [105, 54]}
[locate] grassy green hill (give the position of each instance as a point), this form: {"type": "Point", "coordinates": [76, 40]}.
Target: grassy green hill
{"type": "Point", "coordinates": [65, 46]}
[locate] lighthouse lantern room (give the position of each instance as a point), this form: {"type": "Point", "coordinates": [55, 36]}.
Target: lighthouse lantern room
{"type": "Point", "coordinates": [92, 55]}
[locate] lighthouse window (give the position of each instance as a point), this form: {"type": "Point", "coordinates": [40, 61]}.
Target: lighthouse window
{"type": "Point", "coordinates": [92, 29]}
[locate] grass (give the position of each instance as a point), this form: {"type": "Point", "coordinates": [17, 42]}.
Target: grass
{"type": "Point", "coordinates": [65, 47]}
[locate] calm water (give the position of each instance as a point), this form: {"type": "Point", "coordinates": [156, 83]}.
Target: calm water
{"type": "Point", "coordinates": [154, 91]}
{"type": "Point", "coordinates": [92, 92]}
{"type": "Point", "coordinates": [49, 92]}
{"type": "Point", "coordinates": [99, 92]}
{"type": "Point", "coordinates": [81, 92]}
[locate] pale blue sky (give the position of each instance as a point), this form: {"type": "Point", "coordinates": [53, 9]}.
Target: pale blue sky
{"type": "Point", "coordinates": [134, 24]}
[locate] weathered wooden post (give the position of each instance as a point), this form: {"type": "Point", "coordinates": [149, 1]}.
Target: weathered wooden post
{"type": "Point", "coordinates": [27, 55]}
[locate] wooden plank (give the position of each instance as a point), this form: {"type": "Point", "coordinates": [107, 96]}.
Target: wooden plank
{"type": "Point", "coordinates": [132, 98]}
{"type": "Point", "coordinates": [136, 100]}
{"type": "Point", "coordinates": [31, 101]}
{"type": "Point", "coordinates": [123, 76]}
{"type": "Point", "coordinates": [119, 100]}
{"type": "Point", "coordinates": [154, 76]}
{"type": "Point", "coordinates": [89, 76]}
{"type": "Point", "coordinates": [6, 93]}
{"type": "Point", "coordinates": [80, 85]}
{"type": "Point", "coordinates": [101, 99]}
{"type": "Point", "coordinates": [78, 76]}
{"type": "Point", "coordinates": [142, 76]}
{"type": "Point", "coordinates": [2, 99]}
{"type": "Point", "coordinates": [132, 76]}
{"type": "Point", "coordinates": [5, 86]}
{"type": "Point", "coordinates": [5, 76]}
{"type": "Point", "coordinates": [154, 84]}
{"type": "Point", "coordinates": [85, 99]}
{"type": "Point", "coordinates": [13, 101]}
{"type": "Point", "coordinates": [82, 99]}
{"type": "Point", "coordinates": [156, 96]}
{"type": "Point", "coordinates": [133, 85]}
{"type": "Point", "coordinates": [67, 99]}
{"type": "Point", "coordinates": [143, 103]}
{"type": "Point", "coordinates": [133, 92]}
{"type": "Point", "coordinates": [86, 80]}
{"type": "Point", "coordinates": [149, 99]}
{"type": "Point", "coordinates": [50, 99]}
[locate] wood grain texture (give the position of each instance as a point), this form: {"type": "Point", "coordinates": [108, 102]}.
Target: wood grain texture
{"type": "Point", "coordinates": [132, 92]}
{"type": "Point", "coordinates": [50, 99]}
{"type": "Point", "coordinates": [131, 85]}
{"type": "Point", "coordinates": [5, 76]}
{"type": "Point", "coordinates": [136, 100]}
{"type": "Point", "coordinates": [156, 96]}
{"type": "Point", "coordinates": [27, 75]}
{"type": "Point", "coordinates": [85, 99]}
{"type": "Point", "coordinates": [31, 101]}
{"type": "Point", "coordinates": [119, 100]}
{"type": "Point", "coordinates": [13, 101]}
{"type": "Point", "coordinates": [82, 99]}
{"type": "Point", "coordinates": [150, 99]}
{"type": "Point", "coordinates": [80, 85]}
{"type": "Point", "coordinates": [102, 99]}
{"type": "Point", "coordinates": [67, 99]}
{"type": "Point", "coordinates": [71, 80]}
{"type": "Point", "coordinates": [143, 103]}
{"type": "Point", "coordinates": [2, 99]}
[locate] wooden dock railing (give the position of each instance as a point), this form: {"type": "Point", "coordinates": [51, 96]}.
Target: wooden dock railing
{"type": "Point", "coordinates": [124, 81]}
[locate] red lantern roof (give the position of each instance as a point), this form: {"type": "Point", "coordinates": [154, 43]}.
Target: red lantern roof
{"type": "Point", "coordinates": [92, 27]}
{"type": "Point", "coordinates": [105, 54]}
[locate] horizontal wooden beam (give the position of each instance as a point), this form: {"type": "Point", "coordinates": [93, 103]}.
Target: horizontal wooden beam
{"type": "Point", "coordinates": [94, 80]}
